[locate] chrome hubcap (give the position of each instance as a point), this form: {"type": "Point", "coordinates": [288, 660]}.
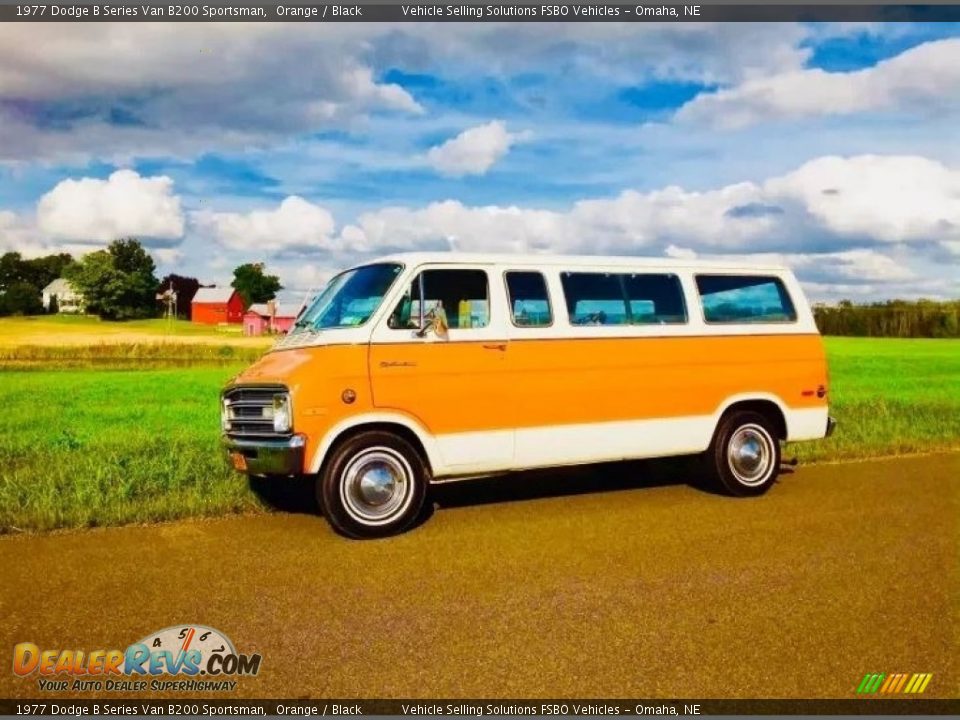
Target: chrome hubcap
{"type": "Point", "coordinates": [375, 485]}
{"type": "Point", "coordinates": [750, 454]}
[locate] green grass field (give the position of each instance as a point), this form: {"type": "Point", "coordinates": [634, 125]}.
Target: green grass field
{"type": "Point", "coordinates": [103, 447]}
{"type": "Point", "coordinates": [91, 446]}
{"type": "Point", "coordinates": [891, 397]}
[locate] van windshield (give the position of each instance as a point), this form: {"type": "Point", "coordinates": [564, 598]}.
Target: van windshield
{"type": "Point", "coordinates": [349, 299]}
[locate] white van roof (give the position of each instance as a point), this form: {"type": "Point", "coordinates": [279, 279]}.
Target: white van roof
{"type": "Point", "coordinates": [549, 260]}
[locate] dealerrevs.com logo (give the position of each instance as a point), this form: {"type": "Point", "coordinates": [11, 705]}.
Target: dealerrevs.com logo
{"type": "Point", "coordinates": [203, 658]}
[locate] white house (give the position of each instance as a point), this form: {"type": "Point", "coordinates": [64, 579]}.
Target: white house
{"type": "Point", "coordinates": [68, 300]}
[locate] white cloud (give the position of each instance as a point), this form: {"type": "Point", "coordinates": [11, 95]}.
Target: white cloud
{"type": "Point", "coordinates": [925, 288]}
{"type": "Point", "coordinates": [360, 85]}
{"type": "Point", "coordinates": [8, 220]}
{"type": "Point", "coordinates": [885, 221]}
{"type": "Point", "coordinates": [859, 265]}
{"type": "Point", "coordinates": [631, 222]}
{"type": "Point", "coordinates": [181, 88]}
{"type": "Point", "coordinates": [16, 235]}
{"type": "Point", "coordinates": [839, 202]}
{"type": "Point", "coordinates": [926, 76]}
{"type": "Point", "coordinates": [122, 90]}
{"type": "Point", "coordinates": [679, 253]}
{"type": "Point", "coordinates": [294, 225]}
{"type": "Point", "coordinates": [855, 265]}
{"type": "Point", "coordinates": [893, 199]}
{"type": "Point", "coordinates": [474, 151]}
{"type": "Point", "coordinates": [93, 210]}
{"type": "Point", "coordinates": [827, 219]}
{"type": "Point", "coordinates": [19, 233]}
{"type": "Point", "coordinates": [627, 53]}
{"type": "Point", "coordinates": [168, 256]}
{"type": "Point", "coordinates": [451, 224]}
{"type": "Point", "coordinates": [309, 277]}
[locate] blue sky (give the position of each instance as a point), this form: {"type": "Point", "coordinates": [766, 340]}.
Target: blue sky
{"type": "Point", "coordinates": [833, 148]}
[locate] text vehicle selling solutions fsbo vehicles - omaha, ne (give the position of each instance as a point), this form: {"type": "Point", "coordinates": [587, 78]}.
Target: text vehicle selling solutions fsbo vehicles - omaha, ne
{"type": "Point", "coordinates": [421, 368]}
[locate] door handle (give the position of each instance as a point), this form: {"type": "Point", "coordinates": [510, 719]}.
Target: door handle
{"type": "Point", "coordinates": [495, 346]}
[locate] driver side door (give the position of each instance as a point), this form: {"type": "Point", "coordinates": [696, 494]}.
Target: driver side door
{"type": "Point", "coordinates": [455, 384]}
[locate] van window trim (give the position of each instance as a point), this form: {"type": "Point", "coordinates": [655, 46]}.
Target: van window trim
{"type": "Point", "coordinates": [620, 275]}
{"type": "Point", "coordinates": [546, 287]}
{"type": "Point", "coordinates": [716, 323]}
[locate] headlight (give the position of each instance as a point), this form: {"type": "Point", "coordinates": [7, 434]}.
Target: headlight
{"type": "Point", "coordinates": [282, 421]}
{"type": "Point", "coordinates": [224, 415]}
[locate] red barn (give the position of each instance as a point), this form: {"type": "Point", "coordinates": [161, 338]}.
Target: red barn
{"type": "Point", "coordinates": [214, 306]}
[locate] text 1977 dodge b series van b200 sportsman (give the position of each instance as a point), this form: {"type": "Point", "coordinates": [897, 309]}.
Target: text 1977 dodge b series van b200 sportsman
{"type": "Point", "coordinates": [420, 368]}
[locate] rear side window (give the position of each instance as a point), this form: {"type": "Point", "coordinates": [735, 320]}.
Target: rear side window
{"type": "Point", "coordinates": [529, 301]}
{"type": "Point", "coordinates": [594, 298]}
{"type": "Point", "coordinates": [744, 299]}
{"type": "Point", "coordinates": [623, 299]}
{"type": "Point", "coordinates": [656, 299]}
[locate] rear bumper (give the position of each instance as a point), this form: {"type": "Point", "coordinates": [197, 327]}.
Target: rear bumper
{"type": "Point", "coordinates": [831, 425]}
{"type": "Point", "coordinates": [269, 457]}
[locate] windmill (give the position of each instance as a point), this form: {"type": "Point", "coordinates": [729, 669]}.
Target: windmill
{"type": "Point", "coordinates": [169, 299]}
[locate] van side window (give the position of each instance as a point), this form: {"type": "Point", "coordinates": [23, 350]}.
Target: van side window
{"type": "Point", "coordinates": [594, 298]}
{"type": "Point", "coordinates": [623, 299]}
{"type": "Point", "coordinates": [529, 301]}
{"type": "Point", "coordinates": [744, 299]}
{"type": "Point", "coordinates": [655, 299]}
{"type": "Point", "coordinates": [462, 295]}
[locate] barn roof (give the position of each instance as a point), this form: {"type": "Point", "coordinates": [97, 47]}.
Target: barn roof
{"type": "Point", "coordinates": [213, 295]}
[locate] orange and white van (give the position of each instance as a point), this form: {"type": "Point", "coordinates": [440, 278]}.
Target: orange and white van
{"type": "Point", "coordinates": [428, 367]}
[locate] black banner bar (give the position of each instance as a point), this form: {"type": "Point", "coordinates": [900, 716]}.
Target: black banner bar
{"type": "Point", "coordinates": [478, 708]}
{"type": "Point", "coordinates": [215, 11]}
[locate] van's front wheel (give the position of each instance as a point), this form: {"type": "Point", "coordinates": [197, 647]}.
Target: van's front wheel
{"type": "Point", "coordinates": [374, 485]}
{"type": "Point", "coordinates": [745, 455]}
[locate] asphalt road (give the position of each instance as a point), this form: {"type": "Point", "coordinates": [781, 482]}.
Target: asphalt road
{"type": "Point", "coordinates": [650, 588]}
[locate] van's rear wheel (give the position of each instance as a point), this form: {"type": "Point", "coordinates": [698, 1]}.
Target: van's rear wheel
{"type": "Point", "coordinates": [745, 455]}
{"type": "Point", "coordinates": [373, 485]}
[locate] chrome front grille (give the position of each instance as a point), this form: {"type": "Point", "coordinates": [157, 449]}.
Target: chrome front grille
{"type": "Point", "coordinates": [249, 411]}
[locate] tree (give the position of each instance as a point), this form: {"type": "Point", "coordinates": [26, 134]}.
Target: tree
{"type": "Point", "coordinates": [20, 298]}
{"type": "Point", "coordinates": [130, 257]}
{"type": "Point", "coordinates": [893, 318]}
{"type": "Point", "coordinates": [11, 269]}
{"type": "Point", "coordinates": [254, 285]}
{"type": "Point", "coordinates": [40, 271]}
{"type": "Point", "coordinates": [184, 287]}
{"type": "Point", "coordinates": [94, 277]}
{"type": "Point", "coordinates": [44, 270]}
{"type": "Point", "coordinates": [117, 283]}
{"type": "Point", "coordinates": [21, 281]}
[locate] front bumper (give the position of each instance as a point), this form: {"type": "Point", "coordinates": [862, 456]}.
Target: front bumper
{"type": "Point", "coordinates": [265, 456]}
{"type": "Point", "coordinates": [831, 426]}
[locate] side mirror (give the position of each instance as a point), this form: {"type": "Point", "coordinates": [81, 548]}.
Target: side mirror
{"type": "Point", "coordinates": [435, 321]}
